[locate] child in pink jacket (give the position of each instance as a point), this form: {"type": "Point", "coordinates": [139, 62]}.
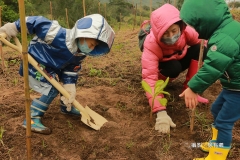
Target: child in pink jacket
{"type": "Point", "coordinates": [170, 48]}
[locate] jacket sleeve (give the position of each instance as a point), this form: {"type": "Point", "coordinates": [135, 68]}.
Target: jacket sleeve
{"type": "Point", "coordinates": [221, 54]}
{"type": "Point", "coordinates": [150, 71]}
{"type": "Point", "coordinates": [38, 25]}
{"type": "Point", "coordinates": [192, 36]}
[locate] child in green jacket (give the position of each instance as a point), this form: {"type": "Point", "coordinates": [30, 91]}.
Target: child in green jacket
{"type": "Point", "coordinates": [213, 22]}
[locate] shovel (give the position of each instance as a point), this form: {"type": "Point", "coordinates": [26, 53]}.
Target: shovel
{"type": "Point", "coordinates": [88, 116]}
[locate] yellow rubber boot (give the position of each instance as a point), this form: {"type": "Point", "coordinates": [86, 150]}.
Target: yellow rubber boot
{"type": "Point", "coordinates": [205, 145]}
{"type": "Point", "coordinates": [216, 153]}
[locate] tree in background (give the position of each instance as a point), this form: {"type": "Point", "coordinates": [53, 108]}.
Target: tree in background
{"type": "Point", "coordinates": [179, 4]}
{"type": "Point", "coordinates": [234, 4]}
{"type": "Point", "coordinates": [75, 10]}
{"type": "Point", "coordinates": [115, 7]}
{"type": "Point", "coordinates": [9, 10]}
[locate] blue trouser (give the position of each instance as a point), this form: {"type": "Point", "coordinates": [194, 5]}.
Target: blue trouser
{"type": "Point", "coordinates": [50, 97]}
{"type": "Point", "coordinates": [39, 106]}
{"type": "Point", "coordinates": [226, 111]}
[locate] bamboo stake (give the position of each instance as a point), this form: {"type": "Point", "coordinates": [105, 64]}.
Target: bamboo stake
{"type": "Point", "coordinates": [135, 15]}
{"type": "Point", "coordinates": [51, 10]}
{"type": "Point", "coordinates": [140, 12]}
{"type": "Point", "coordinates": [25, 73]}
{"type": "Point", "coordinates": [105, 6]}
{"type": "Point", "coordinates": [120, 21]}
{"type": "Point", "coordinates": [1, 51]}
{"type": "Point", "coordinates": [99, 7]}
{"type": "Point", "coordinates": [150, 6]}
{"type": "Point", "coordinates": [200, 63]}
{"type": "Point", "coordinates": [84, 9]}
{"type": "Point", "coordinates": [200, 58]}
{"type": "Point", "coordinates": [67, 16]}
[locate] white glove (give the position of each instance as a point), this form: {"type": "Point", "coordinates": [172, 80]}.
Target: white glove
{"type": "Point", "coordinates": [163, 122]}
{"type": "Point", "coordinates": [10, 29]}
{"type": "Point", "coordinates": [71, 88]}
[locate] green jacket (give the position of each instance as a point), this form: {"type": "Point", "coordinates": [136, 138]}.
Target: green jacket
{"type": "Point", "coordinates": [213, 21]}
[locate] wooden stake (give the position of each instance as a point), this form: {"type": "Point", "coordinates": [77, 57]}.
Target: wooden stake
{"type": "Point", "coordinates": [105, 6]}
{"type": "Point", "coordinates": [150, 6]}
{"type": "Point", "coordinates": [25, 74]}
{"type": "Point", "coordinates": [140, 12]}
{"type": "Point", "coordinates": [99, 7]}
{"type": "Point", "coordinates": [84, 9]}
{"type": "Point", "coordinates": [1, 52]}
{"type": "Point", "coordinates": [51, 10]}
{"type": "Point", "coordinates": [67, 16]}
{"type": "Point", "coordinates": [135, 15]}
{"type": "Point", "coordinates": [120, 17]}
{"type": "Point", "coordinates": [200, 58]}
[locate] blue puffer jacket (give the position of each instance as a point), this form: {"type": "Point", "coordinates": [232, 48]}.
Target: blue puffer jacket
{"type": "Point", "coordinates": [55, 48]}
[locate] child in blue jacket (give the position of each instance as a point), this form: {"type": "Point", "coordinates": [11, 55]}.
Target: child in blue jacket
{"type": "Point", "coordinates": [60, 52]}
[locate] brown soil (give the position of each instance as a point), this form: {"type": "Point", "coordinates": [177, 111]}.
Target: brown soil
{"type": "Point", "coordinates": [110, 86]}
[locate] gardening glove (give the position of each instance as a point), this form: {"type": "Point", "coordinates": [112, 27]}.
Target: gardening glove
{"type": "Point", "coordinates": [10, 29]}
{"type": "Point", "coordinates": [163, 122]}
{"type": "Point", "coordinates": [71, 89]}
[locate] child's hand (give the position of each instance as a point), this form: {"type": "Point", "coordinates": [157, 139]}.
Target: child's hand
{"type": "Point", "coordinates": [190, 98]}
{"type": "Point", "coordinates": [163, 122]}
{"type": "Point", "coordinates": [71, 89]}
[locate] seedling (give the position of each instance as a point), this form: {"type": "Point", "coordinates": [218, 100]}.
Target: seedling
{"type": "Point", "coordinates": [15, 81]}
{"type": "Point", "coordinates": [166, 144]}
{"type": "Point", "coordinates": [44, 145]}
{"type": "Point", "coordinates": [1, 135]}
{"type": "Point", "coordinates": [70, 124]}
{"type": "Point", "coordinates": [129, 144]}
{"type": "Point", "coordinates": [158, 89]}
{"type": "Point", "coordinates": [95, 72]}
{"type": "Point", "coordinates": [107, 148]}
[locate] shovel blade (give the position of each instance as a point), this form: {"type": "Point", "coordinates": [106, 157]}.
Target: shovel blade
{"type": "Point", "coordinates": [96, 121]}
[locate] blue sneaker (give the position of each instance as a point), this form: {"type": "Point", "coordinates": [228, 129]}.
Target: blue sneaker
{"type": "Point", "coordinates": [37, 126]}
{"type": "Point", "coordinates": [74, 111]}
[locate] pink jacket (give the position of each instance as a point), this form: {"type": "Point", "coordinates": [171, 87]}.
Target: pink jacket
{"type": "Point", "coordinates": [156, 51]}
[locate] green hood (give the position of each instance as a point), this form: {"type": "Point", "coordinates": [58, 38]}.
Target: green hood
{"type": "Point", "coordinates": [205, 16]}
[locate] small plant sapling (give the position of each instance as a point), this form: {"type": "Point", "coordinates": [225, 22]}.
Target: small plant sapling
{"type": "Point", "coordinates": [1, 134]}
{"type": "Point", "coordinates": [158, 89]}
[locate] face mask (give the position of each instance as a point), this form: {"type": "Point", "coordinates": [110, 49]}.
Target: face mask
{"type": "Point", "coordinates": [172, 39]}
{"type": "Point", "coordinates": [83, 47]}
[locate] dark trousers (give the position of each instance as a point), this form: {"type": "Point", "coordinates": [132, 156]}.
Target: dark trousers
{"type": "Point", "coordinates": [173, 68]}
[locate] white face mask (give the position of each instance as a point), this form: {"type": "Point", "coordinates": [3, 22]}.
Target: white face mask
{"type": "Point", "coordinates": [171, 40]}
{"type": "Point", "coordinates": [83, 47]}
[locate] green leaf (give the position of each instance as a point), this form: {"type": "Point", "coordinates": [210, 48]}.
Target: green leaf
{"type": "Point", "coordinates": [146, 87]}
{"type": "Point", "coordinates": [163, 101]}
{"type": "Point", "coordinates": [158, 85]}
{"type": "Point", "coordinates": [163, 92]}
{"type": "Point", "coordinates": [164, 84]}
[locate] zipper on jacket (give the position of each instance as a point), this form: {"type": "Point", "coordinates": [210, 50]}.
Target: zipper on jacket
{"type": "Point", "coordinates": [226, 75]}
